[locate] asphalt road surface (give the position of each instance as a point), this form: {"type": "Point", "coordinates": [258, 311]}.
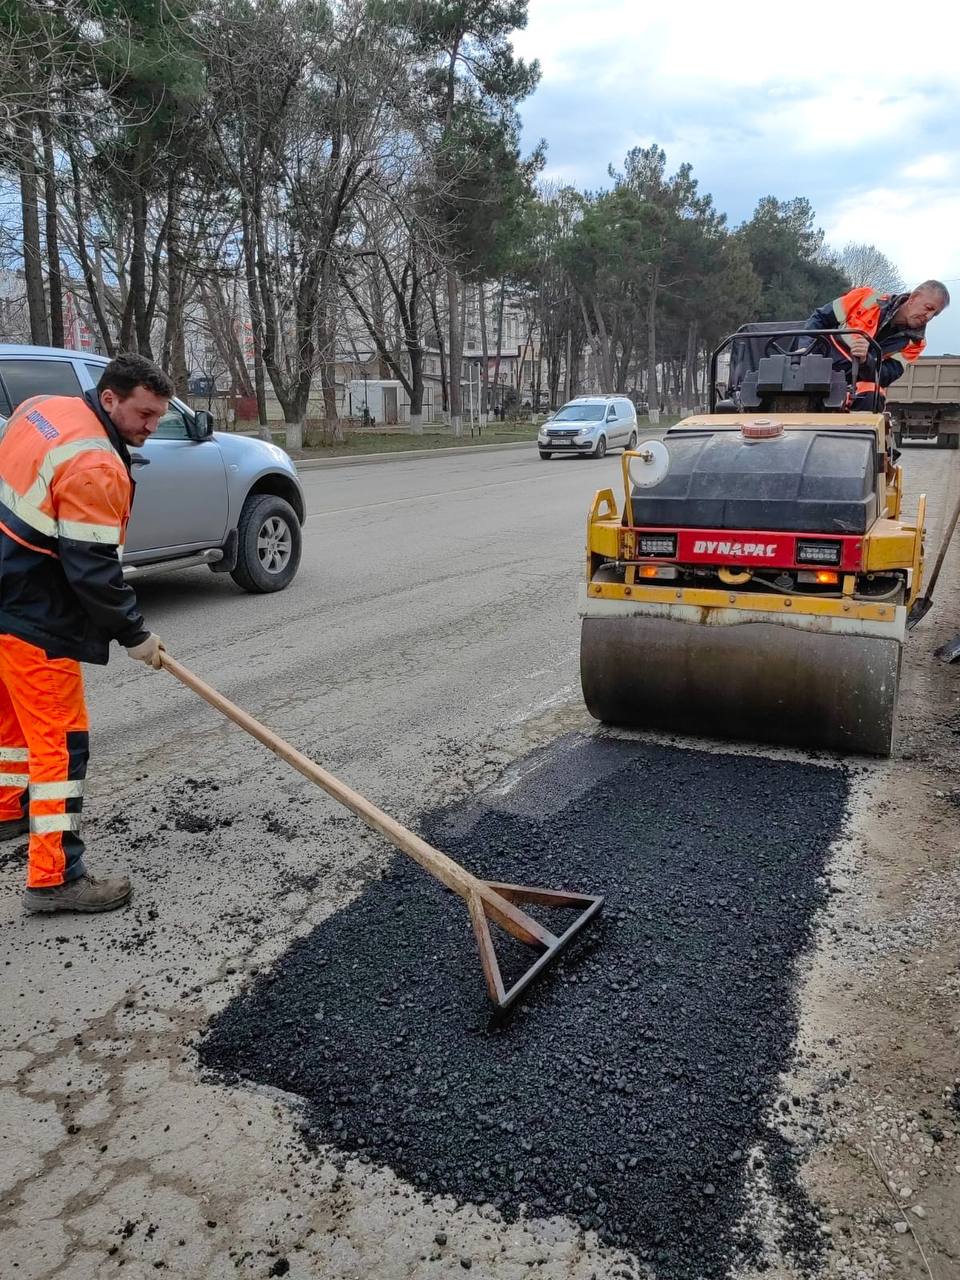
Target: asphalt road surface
{"type": "Point", "coordinates": [427, 653]}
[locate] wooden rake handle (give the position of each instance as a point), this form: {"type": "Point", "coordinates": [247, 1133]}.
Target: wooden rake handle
{"type": "Point", "coordinates": [448, 872]}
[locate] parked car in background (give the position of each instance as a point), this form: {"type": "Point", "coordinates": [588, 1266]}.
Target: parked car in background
{"type": "Point", "coordinates": [203, 496]}
{"type": "Point", "coordinates": [589, 425]}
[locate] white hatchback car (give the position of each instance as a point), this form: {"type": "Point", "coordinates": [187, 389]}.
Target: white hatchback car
{"type": "Point", "coordinates": [590, 425]}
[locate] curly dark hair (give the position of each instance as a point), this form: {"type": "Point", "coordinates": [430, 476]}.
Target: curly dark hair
{"type": "Point", "coordinates": [128, 371]}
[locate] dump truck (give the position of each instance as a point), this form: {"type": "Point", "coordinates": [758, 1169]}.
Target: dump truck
{"type": "Point", "coordinates": [756, 579]}
{"type": "Point", "coordinates": [924, 404]}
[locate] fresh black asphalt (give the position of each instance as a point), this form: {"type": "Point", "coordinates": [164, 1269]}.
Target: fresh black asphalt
{"type": "Point", "coordinates": [631, 1091]}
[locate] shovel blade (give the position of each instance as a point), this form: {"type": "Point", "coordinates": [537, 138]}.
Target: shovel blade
{"type": "Point", "coordinates": [918, 610]}
{"type": "Point", "coordinates": [950, 651]}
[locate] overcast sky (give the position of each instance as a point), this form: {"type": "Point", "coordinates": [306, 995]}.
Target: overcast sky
{"type": "Point", "coordinates": [861, 114]}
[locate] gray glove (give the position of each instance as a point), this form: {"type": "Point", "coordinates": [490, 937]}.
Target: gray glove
{"type": "Point", "coordinates": [148, 651]}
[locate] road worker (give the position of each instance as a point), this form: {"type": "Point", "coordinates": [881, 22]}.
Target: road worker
{"type": "Point", "coordinates": [65, 496]}
{"type": "Point", "coordinates": [897, 321]}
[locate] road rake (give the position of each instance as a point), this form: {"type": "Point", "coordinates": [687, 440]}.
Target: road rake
{"type": "Point", "coordinates": [486, 899]}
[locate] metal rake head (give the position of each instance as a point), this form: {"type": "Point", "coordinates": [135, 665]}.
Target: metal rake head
{"type": "Point", "coordinates": [498, 903]}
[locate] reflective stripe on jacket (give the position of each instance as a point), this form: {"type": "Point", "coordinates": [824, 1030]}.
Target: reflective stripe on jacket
{"type": "Point", "coordinates": [65, 497]}
{"type": "Point", "coordinates": [872, 313]}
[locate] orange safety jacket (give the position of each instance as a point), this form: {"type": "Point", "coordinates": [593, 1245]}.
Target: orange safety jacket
{"type": "Point", "coordinates": [872, 313]}
{"type": "Point", "coordinates": [65, 498]}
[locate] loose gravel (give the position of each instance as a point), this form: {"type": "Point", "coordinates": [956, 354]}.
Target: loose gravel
{"type": "Point", "coordinates": [630, 1091]}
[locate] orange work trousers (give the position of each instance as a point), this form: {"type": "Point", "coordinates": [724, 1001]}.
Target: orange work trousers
{"type": "Point", "coordinates": [44, 746]}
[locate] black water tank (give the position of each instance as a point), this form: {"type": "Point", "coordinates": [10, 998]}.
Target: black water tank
{"type": "Point", "coordinates": [801, 481]}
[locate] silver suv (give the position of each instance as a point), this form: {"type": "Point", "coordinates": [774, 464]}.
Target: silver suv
{"type": "Point", "coordinates": [203, 496]}
{"type": "Point", "coordinates": [590, 425]}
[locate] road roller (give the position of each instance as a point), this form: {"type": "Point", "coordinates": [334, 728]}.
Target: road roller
{"type": "Point", "coordinates": [756, 582]}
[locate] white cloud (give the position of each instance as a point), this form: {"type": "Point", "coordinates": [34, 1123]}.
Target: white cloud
{"type": "Point", "coordinates": [932, 167]}
{"type": "Point", "coordinates": [860, 112]}
{"type": "Point", "coordinates": [702, 43]}
{"type": "Point", "coordinates": [916, 228]}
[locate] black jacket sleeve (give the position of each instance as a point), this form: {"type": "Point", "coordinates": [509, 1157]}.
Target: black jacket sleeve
{"type": "Point", "coordinates": [95, 576]}
{"type": "Point", "coordinates": [823, 318]}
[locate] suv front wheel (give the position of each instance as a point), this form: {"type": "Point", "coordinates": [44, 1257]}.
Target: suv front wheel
{"type": "Point", "coordinates": [268, 544]}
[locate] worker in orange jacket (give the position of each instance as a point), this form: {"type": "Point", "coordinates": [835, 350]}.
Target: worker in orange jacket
{"type": "Point", "coordinates": [896, 321]}
{"type": "Point", "coordinates": [65, 496]}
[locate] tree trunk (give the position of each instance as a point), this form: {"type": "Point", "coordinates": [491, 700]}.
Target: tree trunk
{"type": "Point", "coordinates": [496, 360]}
{"type": "Point", "coordinates": [416, 395]}
{"type": "Point", "coordinates": [653, 396]}
{"type": "Point", "coordinates": [600, 344]}
{"type": "Point", "coordinates": [54, 272]}
{"type": "Point", "coordinates": [441, 350]}
{"type": "Point", "coordinates": [174, 341]}
{"type": "Point", "coordinates": [138, 267]}
{"type": "Point", "coordinates": [523, 360]}
{"type": "Point", "coordinates": [604, 350]}
{"type": "Point", "coordinates": [256, 316]}
{"type": "Point", "coordinates": [293, 433]}
{"type": "Point", "coordinates": [293, 405]}
{"type": "Point", "coordinates": [455, 348]}
{"type": "Point", "coordinates": [328, 353]}
{"type": "Point", "coordinates": [568, 369]}
{"type": "Point", "coordinates": [91, 280]}
{"type": "Point", "coordinates": [221, 319]}
{"type": "Point", "coordinates": [689, 369]}
{"type": "Point", "coordinates": [379, 318]}
{"type": "Point", "coordinates": [32, 254]}
{"type": "Point", "coordinates": [485, 352]}
{"type": "Point", "coordinates": [411, 332]}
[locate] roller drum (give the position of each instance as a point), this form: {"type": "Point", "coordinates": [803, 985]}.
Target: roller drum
{"type": "Point", "coordinates": [757, 681]}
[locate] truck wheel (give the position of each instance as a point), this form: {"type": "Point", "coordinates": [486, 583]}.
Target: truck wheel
{"type": "Point", "coordinates": [948, 440]}
{"type": "Point", "coordinates": [268, 544]}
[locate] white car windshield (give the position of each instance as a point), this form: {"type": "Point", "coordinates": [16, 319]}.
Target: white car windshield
{"type": "Point", "coordinates": [581, 413]}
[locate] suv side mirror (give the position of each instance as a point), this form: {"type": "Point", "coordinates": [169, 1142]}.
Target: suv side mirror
{"type": "Point", "coordinates": [201, 428]}
{"type": "Point", "coordinates": [611, 414]}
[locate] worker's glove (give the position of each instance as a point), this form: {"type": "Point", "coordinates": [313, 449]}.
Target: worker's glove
{"type": "Point", "coordinates": [148, 651]}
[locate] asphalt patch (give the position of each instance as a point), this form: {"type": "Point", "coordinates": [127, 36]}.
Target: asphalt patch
{"type": "Point", "coordinates": [631, 1090]}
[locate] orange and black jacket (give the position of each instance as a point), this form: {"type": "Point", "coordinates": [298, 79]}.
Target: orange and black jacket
{"type": "Point", "coordinates": [65, 498]}
{"type": "Point", "coordinates": [872, 313]}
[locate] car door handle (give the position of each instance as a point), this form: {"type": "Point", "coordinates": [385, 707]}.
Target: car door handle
{"type": "Point", "coordinates": [138, 460]}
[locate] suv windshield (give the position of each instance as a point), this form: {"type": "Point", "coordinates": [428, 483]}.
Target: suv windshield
{"type": "Point", "coordinates": [581, 413]}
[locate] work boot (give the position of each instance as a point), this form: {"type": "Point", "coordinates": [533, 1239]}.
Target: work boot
{"type": "Point", "coordinates": [86, 893]}
{"type": "Point", "coordinates": [10, 828]}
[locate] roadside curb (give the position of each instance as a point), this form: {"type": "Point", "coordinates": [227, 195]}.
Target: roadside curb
{"type": "Point", "coordinates": [400, 455]}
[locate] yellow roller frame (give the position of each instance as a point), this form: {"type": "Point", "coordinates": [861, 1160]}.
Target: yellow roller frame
{"type": "Point", "coordinates": [916, 576]}
{"type": "Point", "coordinates": [754, 601]}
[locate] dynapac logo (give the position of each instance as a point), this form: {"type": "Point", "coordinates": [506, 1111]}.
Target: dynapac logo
{"type": "Point", "coordinates": [735, 549]}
